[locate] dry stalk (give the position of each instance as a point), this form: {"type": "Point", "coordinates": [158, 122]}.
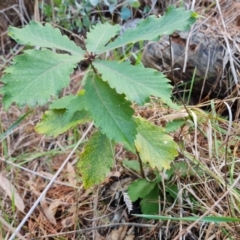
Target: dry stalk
{"type": "Point", "coordinates": [50, 183]}
{"type": "Point", "coordinates": [208, 211]}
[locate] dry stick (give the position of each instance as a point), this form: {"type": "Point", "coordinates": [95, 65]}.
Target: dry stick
{"type": "Point", "coordinates": [36, 173]}
{"type": "Point", "coordinates": [11, 228]}
{"type": "Point", "coordinates": [50, 184]}
{"type": "Point", "coordinates": [36, 15]}
{"type": "Point", "coordinates": [180, 202]}
{"type": "Point", "coordinates": [21, 12]}
{"type": "Point", "coordinates": [188, 41]}
{"type": "Point", "coordinates": [97, 227]}
{"type": "Point", "coordinates": [226, 154]}
{"type": "Point", "coordinates": [208, 211]}
{"type": "Point", "coordinates": [140, 164]}
{"type": "Point", "coordinates": [193, 5]}
{"type": "Point", "coordinates": [11, 57]}
{"type": "Point", "coordinates": [53, 15]}
{"type": "Point", "coordinates": [205, 76]}
{"type": "Point", "coordinates": [228, 46]}
{"type": "Point", "coordinates": [95, 204]}
{"type": "Point", "coordinates": [230, 121]}
{"type": "Point", "coordinates": [152, 7]}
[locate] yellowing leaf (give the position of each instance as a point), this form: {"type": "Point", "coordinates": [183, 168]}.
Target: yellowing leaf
{"type": "Point", "coordinates": [96, 160]}
{"type": "Point", "coordinates": [72, 104]}
{"type": "Point", "coordinates": [154, 146]}
{"type": "Point", "coordinates": [53, 122]}
{"type": "Point", "coordinates": [12, 193]}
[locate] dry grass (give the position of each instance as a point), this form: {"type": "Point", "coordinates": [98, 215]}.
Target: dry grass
{"type": "Point", "coordinates": [208, 144]}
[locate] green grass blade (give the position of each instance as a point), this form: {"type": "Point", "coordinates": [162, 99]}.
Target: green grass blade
{"type": "Point", "coordinates": [9, 131]}
{"type": "Point", "coordinates": [191, 219]}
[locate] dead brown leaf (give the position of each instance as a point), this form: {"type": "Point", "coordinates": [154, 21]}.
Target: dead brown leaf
{"type": "Point", "coordinates": [12, 193]}
{"type": "Point", "coordinates": [118, 234]}
{"type": "Point", "coordinates": [67, 222]}
{"type": "Point", "coordinates": [49, 211]}
{"type": "Point", "coordinates": [71, 175]}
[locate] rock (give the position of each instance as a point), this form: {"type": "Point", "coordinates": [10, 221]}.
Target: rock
{"type": "Point", "coordinates": [201, 51]}
{"type": "Point", "coordinates": [204, 56]}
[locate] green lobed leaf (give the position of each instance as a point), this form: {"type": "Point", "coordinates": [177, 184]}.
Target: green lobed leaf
{"type": "Point", "coordinates": [140, 188]}
{"type": "Point", "coordinates": [35, 76]}
{"type": "Point", "coordinates": [136, 82]}
{"type": "Point", "coordinates": [150, 203]}
{"type": "Point", "coordinates": [53, 122]}
{"type": "Point", "coordinates": [132, 164]}
{"type": "Point", "coordinates": [153, 27]}
{"type": "Point", "coordinates": [71, 104]}
{"type": "Point", "coordinates": [110, 111]}
{"type": "Point", "coordinates": [100, 35]}
{"type": "Point", "coordinates": [174, 125]}
{"type": "Point", "coordinates": [75, 105]}
{"type": "Point", "coordinates": [35, 34]}
{"type": "Point", "coordinates": [96, 160]}
{"type": "Point", "coordinates": [62, 103]}
{"type": "Point", "coordinates": [172, 189]}
{"type": "Point", "coordinates": [154, 146]}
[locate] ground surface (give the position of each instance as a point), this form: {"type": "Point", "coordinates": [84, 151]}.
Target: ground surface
{"type": "Point", "coordinates": [206, 173]}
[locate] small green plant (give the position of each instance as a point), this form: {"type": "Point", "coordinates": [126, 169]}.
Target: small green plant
{"type": "Point", "coordinates": [77, 16]}
{"type": "Point", "coordinates": [147, 190]}
{"type": "Point", "coordinates": [108, 90]}
{"type": "Point", "coordinates": [69, 14]}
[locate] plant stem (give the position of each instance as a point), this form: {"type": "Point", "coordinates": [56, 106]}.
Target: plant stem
{"type": "Point", "coordinates": [141, 165]}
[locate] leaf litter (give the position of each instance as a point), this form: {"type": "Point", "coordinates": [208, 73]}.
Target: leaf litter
{"type": "Point", "coordinates": [12, 193]}
{"type": "Point", "coordinates": [72, 208]}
